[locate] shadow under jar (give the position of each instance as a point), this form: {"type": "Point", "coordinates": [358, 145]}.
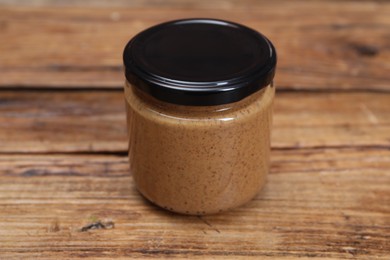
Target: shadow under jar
{"type": "Point", "coordinates": [199, 97]}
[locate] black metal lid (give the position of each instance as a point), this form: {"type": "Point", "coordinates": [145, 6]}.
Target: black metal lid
{"type": "Point", "coordinates": [199, 62]}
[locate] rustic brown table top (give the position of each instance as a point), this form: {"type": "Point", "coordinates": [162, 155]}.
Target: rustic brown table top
{"type": "Point", "coordinates": [65, 187]}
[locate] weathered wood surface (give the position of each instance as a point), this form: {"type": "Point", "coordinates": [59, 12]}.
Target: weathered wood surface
{"type": "Point", "coordinates": [63, 163]}
{"type": "Point", "coordinates": [332, 203]}
{"type": "Point", "coordinates": [94, 121]}
{"type": "Point", "coordinates": [321, 44]}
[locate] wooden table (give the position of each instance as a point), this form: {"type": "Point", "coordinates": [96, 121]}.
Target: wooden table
{"type": "Point", "coordinates": [65, 187]}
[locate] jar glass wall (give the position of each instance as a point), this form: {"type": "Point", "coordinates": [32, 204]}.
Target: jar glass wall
{"type": "Point", "coordinates": [199, 159]}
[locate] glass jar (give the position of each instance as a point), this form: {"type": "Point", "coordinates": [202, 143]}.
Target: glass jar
{"type": "Point", "coordinates": [199, 97]}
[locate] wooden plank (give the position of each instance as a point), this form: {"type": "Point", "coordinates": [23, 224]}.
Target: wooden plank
{"type": "Point", "coordinates": [85, 121]}
{"type": "Point", "coordinates": [166, 4]}
{"type": "Point", "coordinates": [44, 121]}
{"type": "Point", "coordinates": [346, 47]}
{"type": "Point", "coordinates": [322, 203]}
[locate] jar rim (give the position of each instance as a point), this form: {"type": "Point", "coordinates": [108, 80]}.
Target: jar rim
{"type": "Point", "coordinates": [199, 61]}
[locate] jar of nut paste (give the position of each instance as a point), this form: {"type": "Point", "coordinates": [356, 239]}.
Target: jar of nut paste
{"type": "Point", "coordinates": [199, 97]}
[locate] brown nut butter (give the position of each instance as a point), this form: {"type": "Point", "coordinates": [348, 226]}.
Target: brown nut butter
{"type": "Point", "coordinates": [199, 98]}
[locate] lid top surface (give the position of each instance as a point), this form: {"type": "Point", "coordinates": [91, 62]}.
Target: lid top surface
{"type": "Point", "coordinates": [200, 51]}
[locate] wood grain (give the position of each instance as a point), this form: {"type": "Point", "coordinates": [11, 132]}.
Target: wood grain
{"type": "Point", "coordinates": [318, 203]}
{"type": "Point", "coordinates": [63, 164]}
{"type": "Point", "coordinates": [94, 121]}
{"type": "Point", "coordinates": [321, 44]}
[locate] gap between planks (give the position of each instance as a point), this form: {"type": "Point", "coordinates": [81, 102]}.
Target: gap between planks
{"type": "Point", "coordinates": [279, 89]}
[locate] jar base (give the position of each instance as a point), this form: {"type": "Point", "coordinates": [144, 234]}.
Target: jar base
{"type": "Point", "coordinates": [198, 212]}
